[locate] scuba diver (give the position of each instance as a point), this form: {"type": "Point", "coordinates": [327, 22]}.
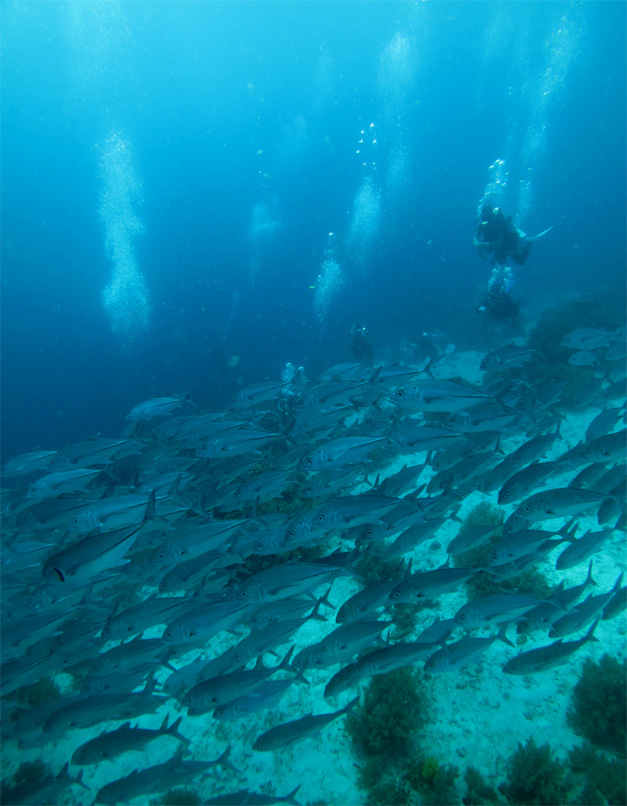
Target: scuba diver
{"type": "Point", "coordinates": [497, 235]}
{"type": "Point", "coordinates": [361, 344]}
{"type": "Point", "coordinates": [499, 304]}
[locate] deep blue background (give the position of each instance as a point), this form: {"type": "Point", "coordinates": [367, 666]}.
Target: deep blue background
{"type": "Point", "coordinates": [212, 96]}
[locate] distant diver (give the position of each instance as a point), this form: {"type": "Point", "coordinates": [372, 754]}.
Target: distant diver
{"type": "Point", "coordinates": [361, 344]}
{"type": "Point", "coordinates": [497, 236]}
{"type": "Point", "coordinates": [498, 239]}
{"type": "Point", "coordinates": [499, 304]}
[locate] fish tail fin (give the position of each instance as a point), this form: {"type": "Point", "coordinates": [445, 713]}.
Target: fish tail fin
{"type": "Point", "coordinates": [324, 600]}
{"type": "Point", "coordinates": [223, 761]}
{"type": "Point", "coordinates": [569, 530]}
{"type": "Point", "coordinates": [315, 614]}
{"type": "Point", "coordinates": [590, 634]}
{"type": "Point", "coordinates": [285, 663]}
{"type": "Point", "coordinates": [349, 706]}
{"type": "Point", "coordinates": [500, 636]}
{"type": "Point", "coordinates": [427, 368]}
{"type": "Point", "coordinates": [589, 579]}
{"type": "Point", "coordinates": [291, 797]}
{"type": "Point", "coordinates": [187, 398]}
{"type": "Point", "coordinates": [173, 730]}
{"type": "Point", "coordinates": [79, 780]}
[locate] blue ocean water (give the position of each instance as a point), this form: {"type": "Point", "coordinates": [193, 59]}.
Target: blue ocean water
{"type": "Point", "coordinates": [192, 158]}
{"type": "Point", "coordinates": [197, 196]}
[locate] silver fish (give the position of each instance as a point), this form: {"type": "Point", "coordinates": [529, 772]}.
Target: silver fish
{"type": "Point", "coordinates": [526, 480]}
{"type": "Point", "coordinates": [153, 779]}
{"type": "Point", "coordinates": [547, 657]}
{"type": "Point", "coordinates": [64, 481]}
{"type": "Point", "coordinates": [267, 695]}
{"type": "Point", "coordinates": [34, 462]}
{"type": "Point", "coordinates": [604, 422]}
{"type": "Point", "coordinates": [429, 584]}
{"type": "Point", "coordinates": [589, 610]}
{"type": "Point", "coordinates": [528, 541]}
{"type": "Point", "coordinates": [381, 661]}
{"type": "Point", "coordinates": [583, 358]}
{"type": "Point", "coordinates": [437, 395]}
{"type": "Point", "coordinates": [581, 549]}
{"type": "Point", "coordinates": [341, 452]}
{"type": "Point", "coordinates": [558, 502]}
{"type": "Point", "coordinates": [205, 696]}
{"type": "Point", "coordinates": [110, 744]}
{"type": "Point", "coordinates": [298, 729]}
{"type": "Point", "coordinates": [155, 407]}
{"type": "Point", "coordinates": [244, 797]}
{"type": "Point", "coordinates": [498, 608]}
{"type": "Point", "coordinates": [462, 653]}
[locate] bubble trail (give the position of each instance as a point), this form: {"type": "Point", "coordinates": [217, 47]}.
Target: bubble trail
{"type": "Point", "coordinates": [125, 299]}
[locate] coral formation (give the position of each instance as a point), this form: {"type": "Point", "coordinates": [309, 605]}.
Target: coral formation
{"type": "Point", "coordinates": [434, 782]}
{"type": "Point", "coordinates": [478, 792]}
{"type": "Point", "coordinates": [535, 777]}
{"type": "Point", "coordinates": [181, 797]}
{"type": "Point", "coordinates": [383, 727]}
{"type": "Point", "coordinates": [531, 581]}
{"type": "Point", "coordinates": [603, 779]}
{"type": "Point", "coordinates": [599, 704]}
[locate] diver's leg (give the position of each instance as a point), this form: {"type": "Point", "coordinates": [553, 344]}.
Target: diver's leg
{"type": "Point", "coordinates": [520, 256]}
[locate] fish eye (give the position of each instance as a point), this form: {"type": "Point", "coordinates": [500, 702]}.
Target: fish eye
{"type": "Point", "coordinates": [309, 460]}
{"type": "Point", "coordinates": [396, 595]}
{"type": "Point", "coordinates": [259, 546]}
{"type": "Point", "coordinates": [399, 393]}
{"type": "Point", "coordinates": [243, 594]}
{"type": "Point", "coordinates": [462, 617]}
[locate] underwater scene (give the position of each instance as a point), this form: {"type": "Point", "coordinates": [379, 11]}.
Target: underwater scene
{"type": "Point", "coordinates": [314, 388]}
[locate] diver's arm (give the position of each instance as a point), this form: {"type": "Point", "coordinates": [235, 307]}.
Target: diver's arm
{"type": "Point", "coordinates": [483, 247]}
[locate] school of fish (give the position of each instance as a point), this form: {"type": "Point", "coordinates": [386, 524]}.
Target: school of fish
{"type": "Point", "coordinates": [172, 570]}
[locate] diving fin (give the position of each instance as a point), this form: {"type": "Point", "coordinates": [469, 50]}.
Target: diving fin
{"type": "Point", "coordinates": [535, 237]}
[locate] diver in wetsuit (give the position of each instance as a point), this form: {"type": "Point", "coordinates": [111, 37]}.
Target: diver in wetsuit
{"type": "Point", "coordinates": [496, 235]}
{"type": "Point", "coordinates": [499, 305]}
{"type": "Point", "coordinates": [361, 344]}
{"type": "Point", "coordinates": [497, 239]}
